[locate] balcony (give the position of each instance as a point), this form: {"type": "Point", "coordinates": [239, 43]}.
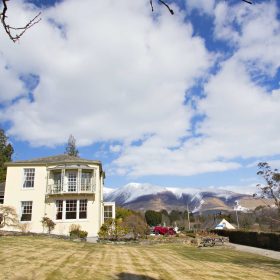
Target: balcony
{"type": "Point", "coordinates": [76, 188]}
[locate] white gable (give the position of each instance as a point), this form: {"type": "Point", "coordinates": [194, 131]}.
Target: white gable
{"type": "Point", "coordinates": [224, 224]}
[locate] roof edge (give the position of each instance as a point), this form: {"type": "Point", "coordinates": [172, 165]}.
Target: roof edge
{"type": "Point", "coordinates": [51, 163]}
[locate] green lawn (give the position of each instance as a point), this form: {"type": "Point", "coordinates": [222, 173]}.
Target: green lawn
{"type": "Point", "coordinates": [45, 258]}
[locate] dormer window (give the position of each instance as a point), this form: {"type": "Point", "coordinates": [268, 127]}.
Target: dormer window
{"type": "Point", "coordinates": [29, 175]}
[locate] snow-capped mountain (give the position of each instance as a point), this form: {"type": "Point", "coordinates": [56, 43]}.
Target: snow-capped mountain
{"type": "Point", "coordinates": [146, 196]}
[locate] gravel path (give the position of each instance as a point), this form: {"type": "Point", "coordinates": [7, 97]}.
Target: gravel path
{"type": "Point", "coordinates": [259, 251]}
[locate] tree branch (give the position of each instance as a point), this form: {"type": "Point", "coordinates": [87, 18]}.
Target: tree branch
{"type": "Point", "coordinates": [172, 12]}
{"type": "Point", "coordinates": [248, 1]}
{"type": "Point", "coordinates": [15, 37]}
{"type": "Point", "coordinates": [164, 3]}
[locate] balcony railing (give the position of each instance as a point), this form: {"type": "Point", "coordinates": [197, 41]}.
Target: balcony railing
{"type": "Point", "coordinates": [71, 188]}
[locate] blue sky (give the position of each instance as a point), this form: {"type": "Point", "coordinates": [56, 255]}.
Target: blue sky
{"type": "Point", "coordinates": [190, 100]}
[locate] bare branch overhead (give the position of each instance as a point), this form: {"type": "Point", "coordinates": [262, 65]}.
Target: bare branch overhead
{"type": "Point", "coordinates": [15, 33]}
{"type": "Point", "coordinates": [172, 12]}
{"type": "Point", "coordinates": [162, 2]}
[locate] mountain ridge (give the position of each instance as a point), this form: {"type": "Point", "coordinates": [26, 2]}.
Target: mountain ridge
{"type": "Point", "coordinates": [141, 197]}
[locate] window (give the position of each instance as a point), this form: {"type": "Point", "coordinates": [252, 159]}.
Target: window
{"type": "Point", "coordinates": [85, 181]}
{"type": "Point", "coordinates": [108, 212]}
{"type": "Point", "coordinates": [71, 209]}
{"type": "Point", "coordinates": [72, 181]}
{"type": "Point", "coordinates": [83, 209]}
{"type": "Point", "coordinates": [26, 210]}
{"type": "Point", "coordinates": [1, 199]}
{"type": "Point", "coordinates": [29, 174]}
{"type": "Point", "coordinates": [57, 180]}
{"type": "Point", "coordinates": [59, 209]}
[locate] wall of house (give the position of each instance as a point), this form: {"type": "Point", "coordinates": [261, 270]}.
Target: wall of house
{"type": "Point", "coordinates": [15, 193]}
{"type": "Point", "coordinates": [90, 224]}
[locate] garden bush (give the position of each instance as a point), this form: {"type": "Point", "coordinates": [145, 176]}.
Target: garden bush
{"type": "Point", "coordinates": [76, 232]}
{"type": "Point", "coordinates": [48, 223]}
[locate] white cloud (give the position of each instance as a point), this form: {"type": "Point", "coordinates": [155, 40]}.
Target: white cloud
{"type": "Point", "coordinates": [115, 73]}
{"type": "Point", "coordinates": [249, 189]}
{"type": "Point", "coordinates": [115, 148]}
{"type": "Point", "coordinates": [255, 32]}
{"type": "Point", "coordinates": [10, 86]}
{"type": "Point", "coordinates": [242, 117]}
{"type": "Point", "coordinates": [108, 71]}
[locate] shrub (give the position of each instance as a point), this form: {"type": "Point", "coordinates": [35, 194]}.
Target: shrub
{"type": "Point", "coordinates": [76, 232]}
{"type": "Point", "coordinates": [136, 225]}
{"type": "Point", "coordinates": [83, 234]}
{"type": "Point", "coordinates": [112, 229]}
{"type": "Point", "coordinates": [8, 216]}
{"type": "Point", "coordinates": [48, 223]}
{"type": "Point", "coordinates": [24, 227]}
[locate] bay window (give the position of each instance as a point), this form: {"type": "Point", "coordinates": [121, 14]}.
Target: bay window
{"type": "Point", "coordinates": [71, 209]}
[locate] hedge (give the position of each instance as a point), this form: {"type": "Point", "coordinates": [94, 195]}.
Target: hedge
{"type": "Point", "coordinates": [263, 240]}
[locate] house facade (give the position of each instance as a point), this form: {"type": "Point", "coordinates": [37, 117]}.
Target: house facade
{"type": "Point", "coordinates": [66, 189]}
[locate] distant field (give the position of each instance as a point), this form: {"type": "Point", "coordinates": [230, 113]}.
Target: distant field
{"type": "Point", "coordinates": [43, 258]}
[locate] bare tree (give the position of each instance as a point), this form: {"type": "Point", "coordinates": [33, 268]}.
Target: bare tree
{"type": "Point", "coordinates": [8, 216]}
{"type": "Point", "coordinates": [13, 32]}
{"type": "Point", "coordinates": [271, 189]}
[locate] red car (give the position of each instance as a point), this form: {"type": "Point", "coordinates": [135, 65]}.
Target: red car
{"type": "Point", "coordinates": [164, 230]}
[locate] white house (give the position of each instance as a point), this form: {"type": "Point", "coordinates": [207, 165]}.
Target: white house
{"type": "Point", "coordinates": [224, 224]}
{"type": "Point", "coordinates": [67, 189]}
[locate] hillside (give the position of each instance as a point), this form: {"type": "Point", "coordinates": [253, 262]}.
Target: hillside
{"type": "Point", "coordinates": [142, 197]}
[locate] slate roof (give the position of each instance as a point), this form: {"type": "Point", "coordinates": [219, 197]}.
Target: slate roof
{"type": "Point", "coordinates": [57, 159]}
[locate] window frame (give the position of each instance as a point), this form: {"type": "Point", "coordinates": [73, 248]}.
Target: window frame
{"type": "Point", "coordinates": [85, 181]}
{"type": "Point", "coordinates": [105, 212]}
{"type": "Point", "coordinates": [26, 211]}
{"type": "Point", "coordinates": [72, 208]}
{"type": "Point", "coordinates": [72, 181]}
{"type": "Point", "coordinates": [79, 206]}
{"type": "Point", "coordinates": [83, 208]}
{"type": "Point", "coordinates": [31, 178]}
{"type": "Point", "coordinates": [59, 207]}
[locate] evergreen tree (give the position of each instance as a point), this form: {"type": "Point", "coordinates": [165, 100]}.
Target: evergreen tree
{"type": "Point", "coordinates": [6, 151]}
{"type": "Point", "coordinates": [70, 148]}
{"type": "Point", "coordinates": [153, 218]}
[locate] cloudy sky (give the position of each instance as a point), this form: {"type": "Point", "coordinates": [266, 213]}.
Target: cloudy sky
{"type": "Point", "coordinates": [190, 100]}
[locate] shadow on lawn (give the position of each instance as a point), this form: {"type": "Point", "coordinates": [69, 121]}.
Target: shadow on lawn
{"type": "Point", "coordinates": [130, 276]}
